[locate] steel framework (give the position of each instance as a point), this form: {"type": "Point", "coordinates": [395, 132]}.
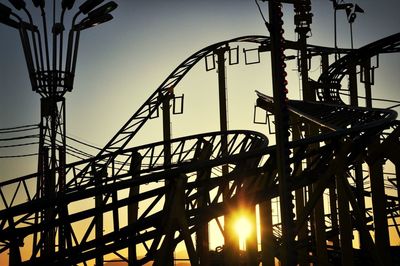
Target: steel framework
{"type": "Point", "coordinates": [140, 202]}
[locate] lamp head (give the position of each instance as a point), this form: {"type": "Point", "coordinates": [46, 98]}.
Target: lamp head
{"type": "Point", "coordinates": [88, 5]}
{"type": "Point", "coordinates": [5, 11]}
{"type": "Point", "coordinates": [92, 22]}
{"type": "Point", "coordinates": [10, 22]}
{"type": "Point", "coordinates": [67, 4]}
{"type": "Point", "coordinates": [38, 3]}
{"type": "Point", "coordinates": [104, 9]}
{"type": "Point", "coordinates": [344, 6]}
{"type": "Point", "coordinates": [18, 4]}
{"type": "Point", "coordinates": [358, 9]}
{"type": "Point", "coordinates": [352, 17]}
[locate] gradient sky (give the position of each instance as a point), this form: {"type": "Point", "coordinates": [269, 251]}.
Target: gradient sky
{"type": "Point", "coordinates": [122, 62]}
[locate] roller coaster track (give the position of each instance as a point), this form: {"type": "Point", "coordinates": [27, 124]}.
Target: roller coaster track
{"type": "Point", "coordinates": [127, 179]}
{"type": "Point", "coordinates": [329, 91]}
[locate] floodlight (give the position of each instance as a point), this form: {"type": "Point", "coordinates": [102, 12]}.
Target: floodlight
{"type": "Point", "coordinates": [5, 11]}
{"type": "Point", "coordinates": [67, 4]}
{"type": "Point", "coordinates": [104, 9]}
{"type": "Point", "coordinates": [87, 6]}
{"type": "Point", "coordinates": [358, 9]}
{"type": "Point", "coordinates": [343, 6]}
{"type": "Point", "coordinates": [9, 22]}
{"type": "Point", "coordinates": [37, 3]}
{"type": "Point", "coordinates": [18, 4]}
{"type": "Point", "coordinates": [88, 22]}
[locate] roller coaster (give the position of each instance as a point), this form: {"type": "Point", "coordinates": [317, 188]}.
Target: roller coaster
{"type": "Point", "coordinates": [155, 196]}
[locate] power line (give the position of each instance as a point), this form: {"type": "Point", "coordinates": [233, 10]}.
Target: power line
{"type": "Point", "coordinates": [262, 15]}
{"type": "Point", "coordinates": [18, 156]}
{"type": "Point", "coordinates": [374, 99]}
{"type": "Point", "coordinates": [22, 137]}
{"type": "Point", "coordinates": [18, 145]}
{"type": "Point", "coordinates": [19, 128]}
{"type": "Point", "coordinates": [83, 143]}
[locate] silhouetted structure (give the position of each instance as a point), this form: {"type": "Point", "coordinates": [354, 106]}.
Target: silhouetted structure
{"type": "Point", "coordinates": [172, 189]}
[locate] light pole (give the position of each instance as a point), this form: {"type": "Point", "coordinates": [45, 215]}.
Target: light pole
{"type": "Point", "coordinates": [336, 7]}
{"type": "Point", "coordinates": [351, 17]}
{"type": "Point", "coordinates": [51, 78]}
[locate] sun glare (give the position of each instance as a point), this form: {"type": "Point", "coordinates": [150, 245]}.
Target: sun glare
{"type": "Point", "coordinates": [243, 229]}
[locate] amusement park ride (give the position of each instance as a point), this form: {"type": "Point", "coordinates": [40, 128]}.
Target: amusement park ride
{"type": "Point", "coordinates": [171, 190]}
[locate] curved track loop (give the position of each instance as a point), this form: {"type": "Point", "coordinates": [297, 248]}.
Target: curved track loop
{"type": "Point", "coordinates": [330, 88]}
{"type": "Point", "coordinates": [128, 179]}
{"type": "Point", "coordinates": [147, 170]}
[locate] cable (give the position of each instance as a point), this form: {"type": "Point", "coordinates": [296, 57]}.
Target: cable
{"type": "Point", "coordinates": [19, 127]}
{"type": "Point", "coordinates": [262, 15]}
{"type": "Point", "coordinates": [83, 143]}
{"type": "Point", "coordinates": [22, 137]}
{"type": "Point", "coordinates": [19, 145]}
{"type": "Point", "coordinates": [18, 156]}
{"type": "Point", "coordinates": [374, 99]}
{"type": "Point", "coordinates": [17, 130]}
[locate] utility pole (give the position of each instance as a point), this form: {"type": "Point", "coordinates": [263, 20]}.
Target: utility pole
{"type": "Point", "coordinates": [279, 83]}
{"type": "Point", "coordinates": [51, 72]}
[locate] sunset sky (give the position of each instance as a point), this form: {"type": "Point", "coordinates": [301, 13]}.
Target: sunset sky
{"type": "Point", "coordinates": [122, 62]}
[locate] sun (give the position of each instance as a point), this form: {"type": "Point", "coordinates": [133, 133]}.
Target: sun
{"type": "Point", "coordinates": [243, 229]}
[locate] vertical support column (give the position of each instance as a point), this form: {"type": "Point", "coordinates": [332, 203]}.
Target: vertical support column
{"type": "Point", "coordinates": [251, 241]}
{"type": "Point", "coordinates": [397, 165]}
{"type": "Point", "coordinates": [202, 234]}
{"type": "Point", "coordinates": [367, 82]}
{"type": "Point", "coordinates": [288, 252]}
{"type": "Point", "coordinates": [300, 194]}
{"type": "Point", "coordinates": [63, 232]}
{"type": "Point", "coordinates": [169, 258]}
{"type": "Point", "coordinates": [334, 215]}
{"type": "Point", "coordinates": [345, 226]}
{"type": "Point", "coordinates": [133, 208]}
{"type": "Point", "coordinates": [231, 242]}
{"type": "Point", "coordinates": [379, 206]}
{"type": "Point", "coordinates": [353, 84]}
{"type": "Point", "coordinates": [99, 203]}
{"type": "Point", "coordinates": [359, 177]}
{"type": "Point", "coordinates": [267, 236]}
{"type": "Point", "coordinates": [52, 168]}
{"type": "Point", "coordinates": [15, 253]}
{"type": "Point", "coordinates": [318, 215]}
{"type": "Point", "coordinates": [320, 228]}
{"type": "Point", "coordinates": [302, 19]}
{"type": "Point", "coordinates": [332, 187]}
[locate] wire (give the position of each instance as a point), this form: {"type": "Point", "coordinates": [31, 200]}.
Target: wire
{"type": "Point", "coordinates": [374, 99]}
{"type": "Point", "coordinates": [18, 156]}
{"type": "Point", "coordinates": [19, 145]}
{"type": "Point", "coordinates": [262, 15]}
{"type": "Point", "coordinates": [22, 137]}
{"type": "Point", "coordinates": [19, 127]}
{"type": "Point", "coordinates": [84, 143]}
{"type": "Point", "coordinates": [17, 130]}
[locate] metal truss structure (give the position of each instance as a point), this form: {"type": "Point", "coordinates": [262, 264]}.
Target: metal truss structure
{"type": "Point", "coordinates": [138, 203]}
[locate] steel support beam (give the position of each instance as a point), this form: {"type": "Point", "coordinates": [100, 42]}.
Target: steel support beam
{"type": "Point", "coordinates": [133, 208]}
{"type": "Point", "coordinates": [166, 115]}
{"type": "Point", "coordinates": [202, 234]}
{"type": "Point", "coordinates": [99, 219]}
{"type": "Point", "coordinates": [231, 241]}
{"type": "Point", "coordinates": [300, 195]}
{"type": "Point", "coordinates": [288, 251]}
{"type": "Point", "coordinates": [345, 226]}
{"type": "Point", "coordinates": [267, 235]}
{"type": "Point", "coordinates": [379, 207]}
